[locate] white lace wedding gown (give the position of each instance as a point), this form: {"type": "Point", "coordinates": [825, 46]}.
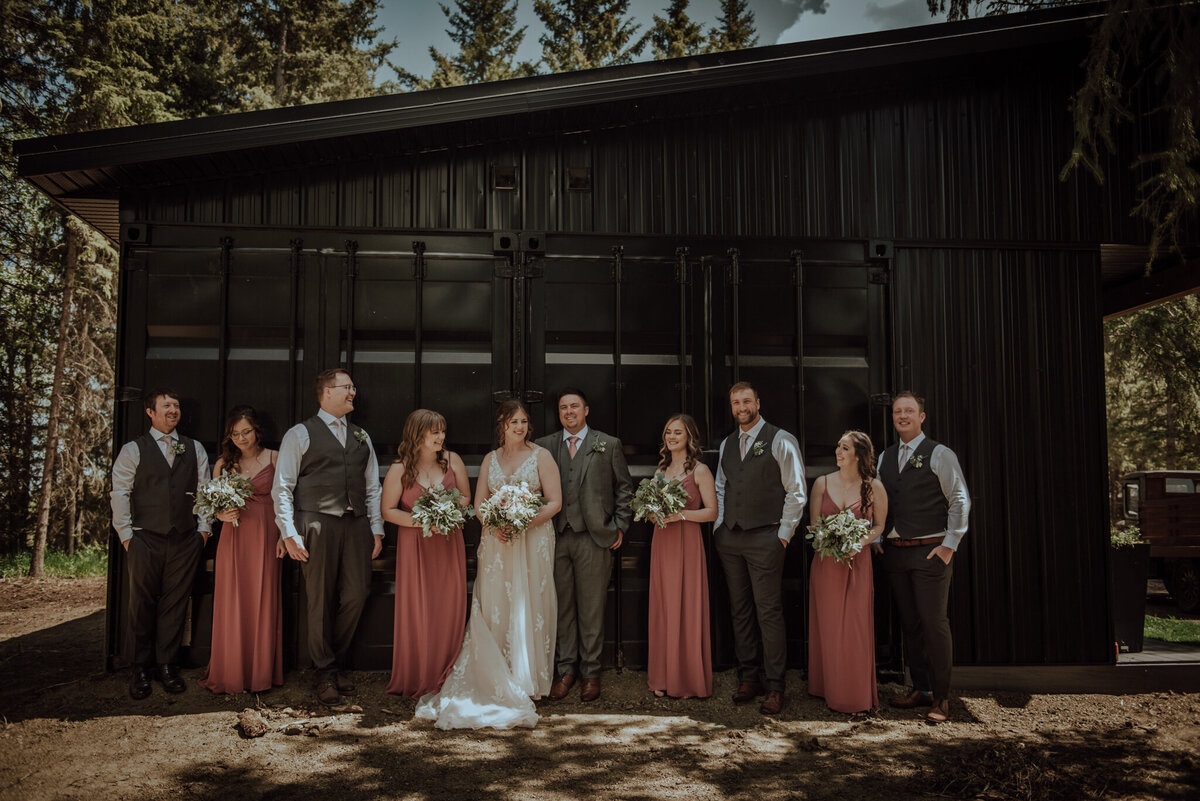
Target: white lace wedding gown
{"type": "Point", "coordinates": [507, 655]}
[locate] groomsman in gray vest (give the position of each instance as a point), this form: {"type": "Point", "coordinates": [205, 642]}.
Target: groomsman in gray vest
{"type": "Point", "coordinates": [326, 497]}
{"type": "Point", "coordinates": [153, 481]}
{"type": "Point", "coordinates": [592, 524]}
{"type": "Point", "coordinates": [760, 497]}
{"type": "Point", "coordinates": [928, 506]}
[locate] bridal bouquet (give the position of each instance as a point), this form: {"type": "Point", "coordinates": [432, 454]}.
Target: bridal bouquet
{"type": "Point", "coordinates": [511, 508]}
{"type": "Point", "coordinates": [227, 491]}
{"type": "Point", "coordinates": [839, 536]}
{"type": "Point", "coordinates": [440, 508]}
{"type": "Point", "coordinates": [658, 497]}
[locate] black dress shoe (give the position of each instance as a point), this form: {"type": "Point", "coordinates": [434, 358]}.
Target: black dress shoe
{"type": "Point", "coordinates": [171, 681]}
{"type": "Point", "coordinates": [139, 683]}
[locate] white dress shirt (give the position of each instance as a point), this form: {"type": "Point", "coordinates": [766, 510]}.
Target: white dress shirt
{"type": "Point", "coordinates": [581, 433]}
{"type": "Point", "coordinates": [124, 470]}
{"type": "Point", "coordinates": [945, 466]}
{"type": "Point", "coordinates": [786, 451]}
{"type": "Point", "coordinates": [287, 472]}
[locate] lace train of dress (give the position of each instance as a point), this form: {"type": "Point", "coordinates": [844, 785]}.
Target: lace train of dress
{"type": "Point", "coordinates": [508, 650]}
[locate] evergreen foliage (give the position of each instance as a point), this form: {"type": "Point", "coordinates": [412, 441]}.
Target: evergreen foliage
{"type": "Point", "coordinates": [735, 27]}
{"type": "Point", "coordinates": [582, 34]}
{"type": "Point", "coordinates": [488, 38]}
{"type": "Point", "coordinates": [676, 35]}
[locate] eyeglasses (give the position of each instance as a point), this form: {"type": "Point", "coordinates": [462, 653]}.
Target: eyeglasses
{"type": "Point", "coordinates": [347, 387]}
{"type": "Point", "coordinates": [241, 434]}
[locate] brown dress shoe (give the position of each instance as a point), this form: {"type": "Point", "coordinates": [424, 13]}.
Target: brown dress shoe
{"type": "Point", "coordinates": [772, 704]}
{"type": "Point", "coordinates": [911, 701]}
{"type": "Point", "coordinates": [561, 687]}
{"type": "Point", "coordinates": [747, 691]}
{"type": "Point", "coordinates": [342, 681]}
{"type": "Point", "coordinates": [590, 690]}
{"type": "Point", "coordinates": [327, 693]}
{"type": "Point", "coordinates": [940, 713]}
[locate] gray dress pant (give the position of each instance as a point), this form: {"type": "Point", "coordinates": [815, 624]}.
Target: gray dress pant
{"type": "Point", "coordinates": [162, 572]}
{"type": "Point", "coordinates": [753, 562]}
{"type": "Point", "coordinates": [921, 587]}
{"type": "Point", "coordinates": [582, 570]}
{"type": "Point", "coordinates": [337, 582]}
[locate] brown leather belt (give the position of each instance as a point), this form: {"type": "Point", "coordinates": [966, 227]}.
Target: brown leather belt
{"type": "Point", "coordinates": [899, 543]}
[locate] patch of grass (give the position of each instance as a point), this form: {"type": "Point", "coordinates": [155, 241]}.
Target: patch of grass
{"type": "Point", "coordinates": [1172, 629]}
{"type": "Point", "coordinates": [91, 560]}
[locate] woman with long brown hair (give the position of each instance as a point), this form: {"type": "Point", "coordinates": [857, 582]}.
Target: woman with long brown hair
{"type": "Point", "coordinates": [247, 649]}
{"type": "Point", "coordinates": [841, 616]}
{"type": "Point", "coordinates": [680, 658]}
{"type": "Point", "coordinates": [431, 572]}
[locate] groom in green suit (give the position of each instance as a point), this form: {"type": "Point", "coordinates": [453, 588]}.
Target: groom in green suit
{"type": "Point", "coordinates": [595, 515]}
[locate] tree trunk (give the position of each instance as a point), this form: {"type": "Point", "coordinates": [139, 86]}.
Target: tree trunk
{"type": "Point", "coordinates": [37, 563]}
{"type": "Point", "coordinates": [280, 58]}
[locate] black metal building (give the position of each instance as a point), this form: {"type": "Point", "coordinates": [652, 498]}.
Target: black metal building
{"type": "Point", "coordinates": [832, 220]}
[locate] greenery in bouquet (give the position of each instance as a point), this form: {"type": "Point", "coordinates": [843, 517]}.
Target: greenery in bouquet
{"type": "Point", "coordinates": [227, 491]}
{"type": "Point", "coordinates": [441, 509]}
{"type": "Point", "coordinates": [511, 508]}
{"type": "Point", "coordinates": [658, 498]}
{"type": "Point", "coordinates": [839, 536]}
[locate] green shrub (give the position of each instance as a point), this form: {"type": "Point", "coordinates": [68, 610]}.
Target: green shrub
{"type": "Point", "coordinates": [1126, 536]}
{"type": "Point", "coordinates": [91, 560]}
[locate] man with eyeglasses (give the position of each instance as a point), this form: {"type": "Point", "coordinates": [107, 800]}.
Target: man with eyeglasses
{"type": "Point", "coordinates": [326, 497]}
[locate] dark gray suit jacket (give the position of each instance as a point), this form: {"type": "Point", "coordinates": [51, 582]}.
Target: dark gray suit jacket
{"type": "Point", "coordinates": [605, 485]}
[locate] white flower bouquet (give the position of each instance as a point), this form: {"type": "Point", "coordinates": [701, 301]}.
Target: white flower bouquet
{"type": "Point", "coordinates": [839, 536]}
{"type": "Point", "coordinates": [442, 509]}
{"type": "Point", "coordinates": [511, 508]}
{"type": "Point", "coordinates": [658, 497]}
{"type": "Point", "coordinates": [227, 491]}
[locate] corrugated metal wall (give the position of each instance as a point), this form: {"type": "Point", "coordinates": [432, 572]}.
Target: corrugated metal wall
{"type": "Point", "coordinates": [995, 295]}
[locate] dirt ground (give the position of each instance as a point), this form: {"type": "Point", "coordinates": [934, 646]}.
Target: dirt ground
{"type": "Point", "coordinates": [71, 732]}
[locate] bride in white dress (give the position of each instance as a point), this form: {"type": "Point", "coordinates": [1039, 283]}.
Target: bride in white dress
{"type": "Point", "coordinates": [507, 656]}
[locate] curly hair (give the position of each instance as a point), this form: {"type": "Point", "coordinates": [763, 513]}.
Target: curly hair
{"type": "Point", "coordinates": [694, 451]}
{"type": "Point", "coordinates": [418, 424]}
{"type": "Point", "coordinates": [505, 412]}
{"type": "Point", "coordinates": [864, 453]}
{"type": "Point", "coordinates": [231, 454]}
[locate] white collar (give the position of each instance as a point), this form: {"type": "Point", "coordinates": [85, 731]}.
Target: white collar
{"type": "Point", "coordinates": [755, 430]}
{"type": "Point", "coordinates": [913, 443]}
{"type": "Point", "coordinates": [329, 418]}
{"type": "Point", "coordinates": [582, 434]}
{"type": "Point", "coordinates": [158, 435]}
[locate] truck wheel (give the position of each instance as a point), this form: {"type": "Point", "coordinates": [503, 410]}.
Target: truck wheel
{"type": "Point", "coordinates": [1187, 585]}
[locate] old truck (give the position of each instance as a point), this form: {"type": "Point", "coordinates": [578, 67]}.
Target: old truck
{"type": "Point", "coordinates": [1165, 505]}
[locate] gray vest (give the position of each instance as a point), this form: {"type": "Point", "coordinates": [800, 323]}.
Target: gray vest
{"type": "Point", "coordinates": [332, 477]}
{"type": "Point", "coordinates": [159, 500]}
{"type": "Point", "coordinates": [754, 492]}
{"type": "Point", "coordinates": [571, 472]}
{"type": "Point", "coordinates": [917, 506]}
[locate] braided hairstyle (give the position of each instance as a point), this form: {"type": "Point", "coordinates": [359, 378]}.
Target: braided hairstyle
{"type": "Point", "coordinates": [864, 453]}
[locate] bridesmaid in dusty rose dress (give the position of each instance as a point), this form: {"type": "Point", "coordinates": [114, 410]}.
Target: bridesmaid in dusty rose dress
{"type": "Point", "coordinates": [841, 617]}
{"type": "Point", "coordinates": [680, 663]}
{"type": "Point", "coordinates": [247, 645]}
{"type": "Point", "coordinates": [431, 572]}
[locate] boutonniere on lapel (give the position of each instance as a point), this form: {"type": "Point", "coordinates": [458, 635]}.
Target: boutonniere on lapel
{"type": "Point", "coordinates": [178, 448]}
{"type": "Point", "coordinates": [360, 435]}
{"type": "Point", "coordinates": [757, 448]}
{"type": "Point", "coordinates": [599, 445]}
{"type": "Point", "coordinates": [917, 461]}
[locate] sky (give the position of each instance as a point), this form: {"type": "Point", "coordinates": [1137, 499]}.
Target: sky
{"type": "Point", "coordinates": [418, 24]}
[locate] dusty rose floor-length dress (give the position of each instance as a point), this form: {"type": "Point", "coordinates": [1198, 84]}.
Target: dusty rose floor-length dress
{"type": "Point", "coordinates": [247, 643]}
{"type": "Point", "coordinates": [841, 629]}
{"type": "Point", "coordinates": [431, 604]}
{"type": "Point", "coordinates": [680, 658]}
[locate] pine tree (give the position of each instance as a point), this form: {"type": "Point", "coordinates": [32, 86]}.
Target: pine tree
{"type": "Point", "coordinates": [676, 35]}
{"type": "Point", "coordinates": [294, 52]}
{"type": "Point", "coordinates": [735, 28]}
{"type": "Point", "coordinates": [582, 34]}
{"type": "Point", "coordinates": [488, 38]}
